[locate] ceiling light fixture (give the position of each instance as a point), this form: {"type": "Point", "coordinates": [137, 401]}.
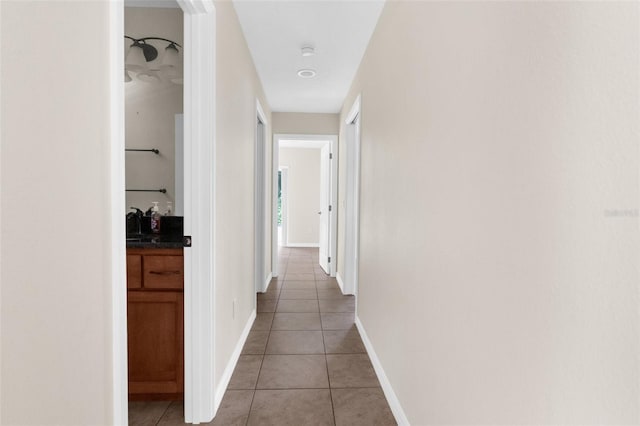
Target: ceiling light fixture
{"type": "Point", "coordinates": [149, 76]}
{"type": "Point", "coordinates": [307, 73]}
{"type": "Point", "coordinates": [308, 51]}
{"type": "Point", "coordinates": [140, 53]}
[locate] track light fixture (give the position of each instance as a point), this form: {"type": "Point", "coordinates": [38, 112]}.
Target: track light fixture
{"type": "Point", "coordinates": [141, 52]}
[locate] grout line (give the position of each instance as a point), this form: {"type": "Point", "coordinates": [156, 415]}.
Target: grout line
{"type": "Point", "coordinates": [164, 412]}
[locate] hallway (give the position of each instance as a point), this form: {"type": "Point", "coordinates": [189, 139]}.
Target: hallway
{"type": "Point", "coordinates": [303, 363]}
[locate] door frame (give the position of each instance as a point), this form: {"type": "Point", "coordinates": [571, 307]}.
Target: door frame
{"type": "Point", "coordinates": [332, 140]}
{"type": "Point", "coordinates": [262, 278]}
{"type": "Point", "coordinates": [200, 398]}
{"type": "Point", "coordinates": [352, 197]}
{"type": "Point", "coordinates": [285, 204]}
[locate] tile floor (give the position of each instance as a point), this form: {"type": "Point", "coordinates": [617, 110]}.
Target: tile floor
{"type": "Point", "coordinates": [304, 362]}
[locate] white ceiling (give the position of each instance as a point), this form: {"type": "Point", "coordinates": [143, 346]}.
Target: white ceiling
{"type": "Point", "coordinates": [276, 30]}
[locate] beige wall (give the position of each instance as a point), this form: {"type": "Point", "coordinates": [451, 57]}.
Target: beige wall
{"type": "Point", "coordinates": [303, 195]}
{"type": "Point", "coordinates": [496, 145]}
{"type": "Point", "coordinates": [55, 225]}
{"type": "Point", "coordinates": [150, 110]}
{"type": "Point", "coordinates": [300, 123]}
{"type": "Point", "coordinates": [237, 88]}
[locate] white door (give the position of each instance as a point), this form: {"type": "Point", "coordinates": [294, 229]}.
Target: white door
{"type": "Point", "coordinates": [325, 184]}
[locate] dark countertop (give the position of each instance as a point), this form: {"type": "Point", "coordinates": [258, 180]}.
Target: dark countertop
{"type": "Point", "coordinates": [152, 241]}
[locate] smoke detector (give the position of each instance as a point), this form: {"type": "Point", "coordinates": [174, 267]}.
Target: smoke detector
{"type": "Point", "coordinates": [307, 73]}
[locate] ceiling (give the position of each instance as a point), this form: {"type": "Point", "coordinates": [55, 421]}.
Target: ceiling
{"type": "Point", "coordinates": [277, 30]}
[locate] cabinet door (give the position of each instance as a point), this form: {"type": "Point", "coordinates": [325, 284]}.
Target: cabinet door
{"type": "Point", "coordinates": [155, 342]}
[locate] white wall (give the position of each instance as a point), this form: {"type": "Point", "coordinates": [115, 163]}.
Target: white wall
{"type": "Point", "coordinates": [303, 195]}
{"type": "Point", "coordinates": [150, 111]}
{"type": "Point", "coordinates": [237, 88]}
{"type": "Point", "coordinates": [305, 123]}
{"type": "Point", "coordinates": [497, 144]}
{"type": "Point", "coordinates": [55, 225]}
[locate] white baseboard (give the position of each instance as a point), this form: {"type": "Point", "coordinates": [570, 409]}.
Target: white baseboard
{"type": "Point", "coordinates": [231, 365]}
{"type": "Point", "coordinates": [265, 286]}
{"type": "Point", "coordinates": [313, 245]}
{"type": "Point", "coordinates": [392, 398]}
{"type": "Point", "coordinates": [340, 282]}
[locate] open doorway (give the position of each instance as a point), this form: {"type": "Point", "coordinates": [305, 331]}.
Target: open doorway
{"type": "Point", "coordinates": [304, 215]}
{"type": "Point", "coordinates": [154, 93]}
{"type": "Point", "coordinates": [282, 204]}
{"type": "Point", "coordinates": [196, 308]}
{"type": "Point", "coordinates": [262, 273]}
{"type": "Point", "coordinates": [352, 201]}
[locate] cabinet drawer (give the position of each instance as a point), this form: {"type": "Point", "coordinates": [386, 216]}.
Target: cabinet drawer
{"type": "Point", "coordinates": [134, 271]}
{"type": "Point", "coordinates": [163, 272]}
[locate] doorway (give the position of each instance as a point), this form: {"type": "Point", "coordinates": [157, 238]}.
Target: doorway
{"type": "Point", "coordinates": [200, 399]}
{"type": "Point", "coordinates": [260, 199]}
{"type": "Point", "coordinates": [312, 221]}
{"type": "Point", "coordinates": [283, 205]}
{"type": "Point", "coordinates": [352, 200]}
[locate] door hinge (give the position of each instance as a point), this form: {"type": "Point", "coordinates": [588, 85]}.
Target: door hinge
{"type": "Point", "coordinates": [329, 208]}
{"type": "Point", "coordinates": [329, 260]}
{"type": "Point", "coordinates": [330, 156]}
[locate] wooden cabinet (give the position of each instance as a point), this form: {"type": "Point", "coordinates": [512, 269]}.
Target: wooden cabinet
{"type": "Point", "coordinates": [155, 323]}
{"type": "Point", "coordinates": [134, 271]}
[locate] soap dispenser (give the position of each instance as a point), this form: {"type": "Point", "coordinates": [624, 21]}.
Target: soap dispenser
{"type": "Point", "coordinates": [155, 218]}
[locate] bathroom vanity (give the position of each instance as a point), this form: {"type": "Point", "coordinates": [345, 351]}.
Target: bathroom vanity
{"type": "Point", "coordinates": [155, 320]}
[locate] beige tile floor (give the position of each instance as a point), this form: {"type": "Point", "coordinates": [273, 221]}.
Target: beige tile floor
{"type": "Point", "coordinates": [304, 362]}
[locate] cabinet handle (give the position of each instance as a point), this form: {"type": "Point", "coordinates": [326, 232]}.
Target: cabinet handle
{"type": "Point", "coordinates": [165, 272]}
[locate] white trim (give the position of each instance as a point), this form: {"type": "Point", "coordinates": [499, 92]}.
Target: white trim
{"type": "Point", "coordinates": [333, 215]}
{"type": "Point", "coordinates": [260, 196]}
{"type": "Point", "coordinates": [340, 282]}
{"type": "Point", "coordinates": [261, 114]}
{"type": "Point", "coordinates": [296, 140]}
{"type": "Point", "coordinates": [354, 111]}
{"type": "Point", "coordinates": [303, 144]}
{"type": "Point", "coordinates": [199, 222]}
{"type": "Point", "coordinates": [274, 208]}
{"type": "Point", "coordinates": [120, 407]}
{"type": "Point", "coordinates": [233, 361]}
{"type": "Point", "coordinates": [285, 206]}
{"type": "Point", "coordinates": [267, 282]}
{"type": "Point", "coordinates": [352, 199]}
{"type": "Point", "coordinates": [311, 245]}
{"type": "Point", "coordinates": [389, 393]}
{"type": "Point", "coordinates": [300, 137]}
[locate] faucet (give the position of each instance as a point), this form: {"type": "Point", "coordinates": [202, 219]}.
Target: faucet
{"type": "Point", "coordinates": [136, 217]}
